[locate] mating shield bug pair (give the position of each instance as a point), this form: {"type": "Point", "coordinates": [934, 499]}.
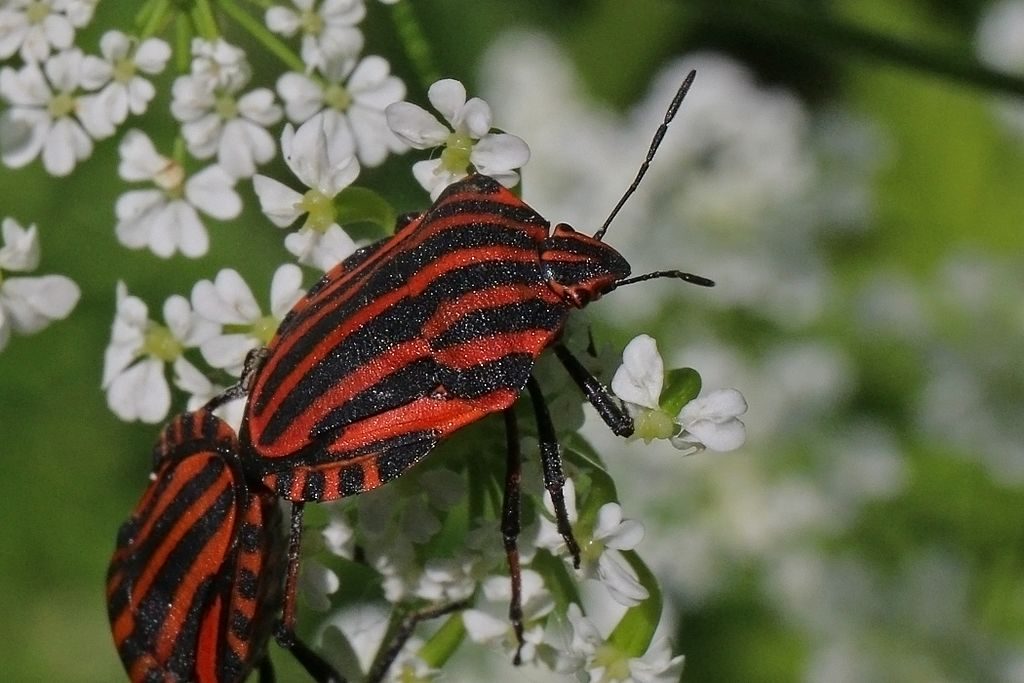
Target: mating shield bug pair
{"type": "Point", "coordinates": [395, 349]}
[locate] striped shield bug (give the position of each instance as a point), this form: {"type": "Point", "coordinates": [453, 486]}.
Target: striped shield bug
{"type": "Point", "coordinates": [195, 584]}
{"type": "Point", "coordinates": [427, 331]}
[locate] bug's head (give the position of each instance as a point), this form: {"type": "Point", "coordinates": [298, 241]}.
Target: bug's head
{"type": "Point", "coordinates": [579, 267]}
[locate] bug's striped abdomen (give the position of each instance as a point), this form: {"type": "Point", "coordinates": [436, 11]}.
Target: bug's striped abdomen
{"type": "Point", "coordinates": [195, 580]}
{"type": "Point", "coordinates": [431, 331]}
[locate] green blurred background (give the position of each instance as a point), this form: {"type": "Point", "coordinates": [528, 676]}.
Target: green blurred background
{"type": "Point", "coordinates": [948, 181]}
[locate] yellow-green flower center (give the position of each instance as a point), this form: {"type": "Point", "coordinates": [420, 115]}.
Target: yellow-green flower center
{"type": "Point", "coordinates": [124, 70]}
{"type": "Point", "coordinates": [160, 343]}
{"type": "Point", "coordinates": [653, 424]}
{"type": "Point", "coordinates": [337, 97]}
{"type": "Point", "coordinates": [36, 12]}
{"type": "Point", "coordinates": [226, 107]}
{"type": "Point", "coordinates": [264, 328]}
{"type": "Point", "coordinates": [320, 210]}
{"type": "Point", "coordinates": [311, 22]}
{"type": "Point", "coordinates": [171, 179]}
{"type": "Point", "coordinates": [61, 105]}
{"type": "Point", "coordinates": [455, 157]}
{"type": "Point", "coordinates": [616, 666]}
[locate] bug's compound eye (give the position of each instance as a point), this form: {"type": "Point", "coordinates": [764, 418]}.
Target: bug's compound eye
{"type": "Point", "coordinates": [579, 267]}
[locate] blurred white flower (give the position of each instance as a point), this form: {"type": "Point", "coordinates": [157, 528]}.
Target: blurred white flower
{"type": "Point", "coordinates": [488, 622]}
{"type": "Point", "coordinates": [116, 75]}
{"type": "Point", "coordinates": [468, 144]}
{"type": "Point", "coordinates": [352, 95]}
{"type": "Point", "coordinates": [709, 422]}
{"type": "Point", "coordinates": [34, 29]}
{"type": "Point", "coordinates": [328, 28]}
{"type": "Point", "coordinates": [165, 219]}
{"type": "Point", "coordinates": [133, 366]}
{"type": "Point", "coordinates": [219, 65]}
{"type": "Point", "coordinates": [1000, 44]}
{"type": "Point", "coordinates": [227, 301]}
{"type": "Point", "coordinates": [49, 115]}
{"type": "Point", "coordinates": [587, 651]}
{"type": "Point", "coordinates": [326, 168]}
{"type": "Point", "coordinates": [216, 119]}
{"type": "Point", "coordinates": [317, 583]}
{"type": "Point", "coordinates": [599, 545]}
{"type": "Point", "coordinates": [28, 304]}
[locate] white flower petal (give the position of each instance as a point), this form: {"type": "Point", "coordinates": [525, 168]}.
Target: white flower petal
{"type": "Point", "coordinates": [640, 378]}
{"type": "Point", "coordinates": [499, 153]}
{"type": "Point", "coordinates": [448, 96]}
{"type": "Point", "coordinates": [619, 579]}
{"type": "Point", "coordinates": [20, 251]}
{"type": "Point", "coordinates": [285, 289]}
{"type": "Point", "coordinates": [226, 300]}
{"type": "Point", "coordinates": [212, 191]}
{"type": "Point", "coordinates": [33, 302]}
{"type": "Point", "coordinates": [415, 125]}
{"type": "Point", "coordinates": [278, 202]}
{"type": "Point", "coordinates": [140, 393]}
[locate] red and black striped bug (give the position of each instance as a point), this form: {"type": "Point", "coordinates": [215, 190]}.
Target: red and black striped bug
{"type": "Point", "coordinates": [195, 584]}
{"type": "Point", "coordinates": [422, 333]}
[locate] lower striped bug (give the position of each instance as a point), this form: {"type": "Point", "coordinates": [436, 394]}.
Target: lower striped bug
{"type": "Point", "coordinates": [194, 588]}
{"type": "Point", "coordinates": [422, 333]}
{"type": "Point", "coordinates": [195, 583]}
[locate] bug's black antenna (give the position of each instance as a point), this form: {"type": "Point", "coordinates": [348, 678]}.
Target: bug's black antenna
{"type": "Point", "coordinates": [674, 274]}
{"type": "Point", "coordinates": [659, 134]}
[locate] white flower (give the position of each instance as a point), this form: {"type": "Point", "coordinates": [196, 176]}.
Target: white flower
{"type": "Point", "coordinates": [28, 304]}
{"type": "Point", "coordinates": [468, 145]}
{"type": "Point", "coordinates": [216, 120]}
{"type": "Point", "coordinates": [165, 219]}
{"type": "Point", "coordinates": [587, 651]}
{"type": "Point", "coordinates": [324, 168]}
{"type": "Point", "coordinates": [328, 31]}
{"type": "Point", "coordinates": [317, 583]}
{"type": "Point", "coordinates": [115, 76]}
{"type": "Point", "coordinates": [35, 28]}
{"type": "Point", "coordinates": [352, 95]}
{"type": "Point", "coordinates": [133, 366]}
{"type": "Point", "coordinates": [709, 422]}
{"type": "Point", "coordinates": [219, 65]}
{"type": "Point", "coordinates": [49, 116]}
{"type": "Point", "coordinates": [227, 300]}
{"type": "Point", "coordinates": [488, 623]}
{"type": "Point", "coordinates": [610, 533]}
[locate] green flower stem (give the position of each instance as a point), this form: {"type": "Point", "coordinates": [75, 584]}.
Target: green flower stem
{"type": "Point", "coordinates": [262, 34]}
{"type": "Point", "coordinates": [824, 34]}
{"type": "Point", "coordinates": [151, 16]}
{"type": "Point", "coordinates": [203, 19]}
{"type": "Point", "coordinates": [635, 630]}
{"type": "Point", "coordinates": [563, 586]}
{"type": "Point", "coordinates": [183, 43]}
{"type": "Point", "coordinates": [443, 644]}
{"type": "Point", "coordinates": [410, 32]}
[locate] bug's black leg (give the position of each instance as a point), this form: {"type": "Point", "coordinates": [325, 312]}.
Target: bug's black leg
{"type": "Point", "coordinates": [253, 360]}
{"type": "Point", "coordinates": [285, 634]}
{"type": "Point", "coordinates": [511, 525]}
{"type": "Point", "coordinates": [266, 670]}
{"type": "Point", "coordinates": [551, 462]}
{"type": "Point", "coordinates": [317, 668]}
{"type": "Point", "coordinates": [617, 419]}
{"type": "Point", "coordinates": [389, 651]}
